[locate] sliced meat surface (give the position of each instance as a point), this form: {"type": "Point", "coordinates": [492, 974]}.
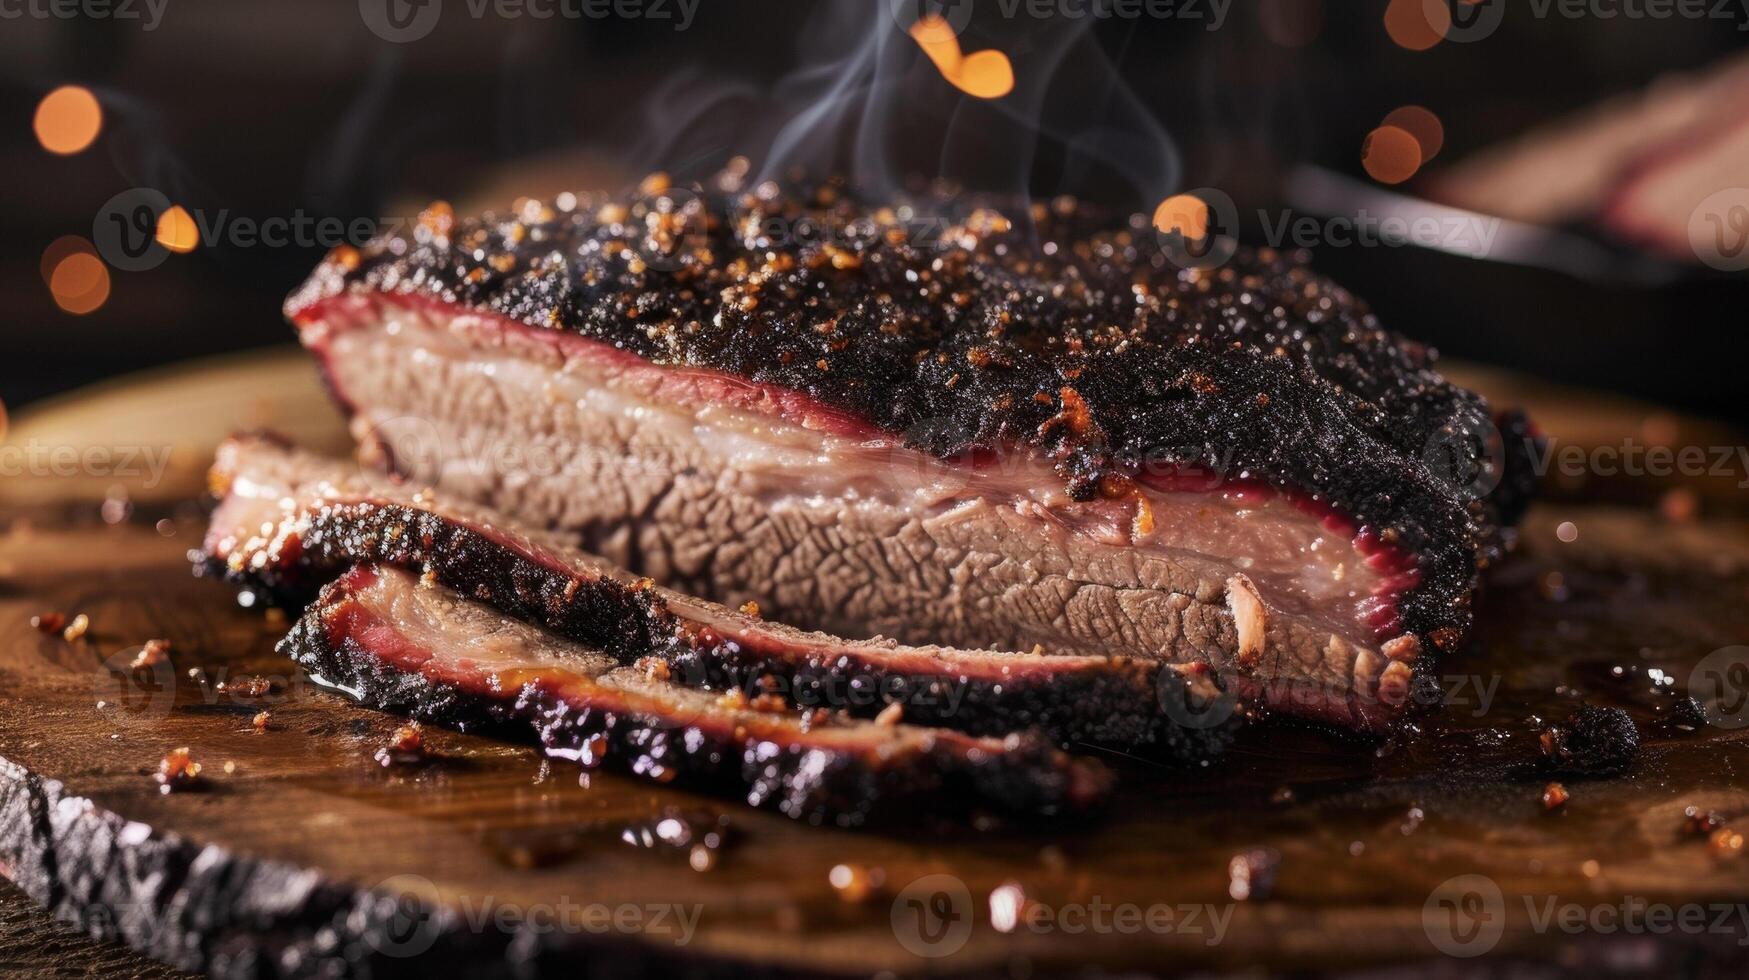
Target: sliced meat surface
{"type": "Point", "coordinates": [1571, 169]}
{"type": "Point", "coordinates": [1024, 431]}
{"type": "Point", "coordinates": [423, 650]}
{"type": "Point", "coordinates": [853, 532]}
{"type": "Point", "coordinates": [290, 521]}
{"type": "Point", "coordinates": [1689, 200]}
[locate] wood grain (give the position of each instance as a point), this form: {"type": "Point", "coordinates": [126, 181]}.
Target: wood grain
{"type": "Point", "coordinates": [289, 858]}
{"type": "Point", "coordinates": [33, 946]}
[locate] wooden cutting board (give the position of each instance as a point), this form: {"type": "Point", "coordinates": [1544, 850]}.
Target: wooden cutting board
{"type": "Point", "coordinates": [302, 854]}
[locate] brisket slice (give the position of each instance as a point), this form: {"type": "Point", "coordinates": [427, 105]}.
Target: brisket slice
{"type": "Point", "coordinates": [289, 521]}
{"type": "Point", "coordinates": [1010, 431]}
{"type": "Point", "coordinates": [1578, 167]}
{"type": "Point", "coordinates": [1687, 200]}
{"type": "Point", "coordinates": [425, 651]}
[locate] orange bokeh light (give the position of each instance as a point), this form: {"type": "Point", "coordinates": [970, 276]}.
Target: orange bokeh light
{"type": "Point", "coordinates": [1186, 214]}
{"type": "Point", "coordinates": [985, 74]}
{"type": "Point", "coordinates": [68, 120]}
{"type": "Point", "coordinates": [176, 230]}
{"type": "Point", "coordinates": [1422, 124]}
{"type": "Point", "coordinates": [1416, 24]}
{"type": "Point", "coordinates": [1390, 155]}
{"type": "Point", "coordinates": [936, 37]}
{"type": "Point", "coordinates": [80, 283]}
{"type": "Point", "coordinates": [59, 249]}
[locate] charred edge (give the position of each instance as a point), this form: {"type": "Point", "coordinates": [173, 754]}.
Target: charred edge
{"type": "Point", "coordinates": [1132, 704]}
{"type": "Point", "coordinates": [1119, 706]}
{"type": "Point", "coordinates": [1026, 778]}
{"type": "Point", "coordinates": [1521, 444]}
{"type": "Point", "coordinates": [200, 907]}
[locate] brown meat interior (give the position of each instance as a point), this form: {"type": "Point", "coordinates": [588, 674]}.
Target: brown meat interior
{"type": "Point", "coordinates": [852, 532]}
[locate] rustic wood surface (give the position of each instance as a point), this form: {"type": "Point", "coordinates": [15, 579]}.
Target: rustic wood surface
{"type": "Point", "coordinates": [34, 946]}
{"type": "Point", "coordinates": [301, 854]}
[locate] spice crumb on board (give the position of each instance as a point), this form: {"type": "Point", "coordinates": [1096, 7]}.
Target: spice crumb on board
{"type": "Point", "coordinates": [249, 686]}
{"type": "Point", "coordinates": [152, 653]}
{"type": "Point", "coordinates": [855, 883]}
{"type": "Point", "coordinates": [1554, 796]}
{"type": "Point", "coordinates": [1726, 843]}
{"type": "Point", "coordinates": [49, 622]}
{"type": "Point", "coordinates": [1251, 874]}
{"type": "Point", "coordinates": [1592, 742]}
{"type": "Point", "coordinates": [409, 738]}
{"type": "Point", "coordinates": [77, 629]}
{"type": "Point", "coordinates": [406, 745]}
{"type": "Point", "coordinates": [177, 771]}
{"type": "Point", "coordinates": [1700, 822]}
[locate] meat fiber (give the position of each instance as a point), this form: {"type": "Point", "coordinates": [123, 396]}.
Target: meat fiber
{"type": "Point", "coordinates": [420, 649]}
{"type": "Point", "coordinates": [288, 521]}
{"type": "Point", "coordinates": [986, 431]}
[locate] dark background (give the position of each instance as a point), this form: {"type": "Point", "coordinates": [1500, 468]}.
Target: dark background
{"type": "Point", "coordinates": [276, 109]}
